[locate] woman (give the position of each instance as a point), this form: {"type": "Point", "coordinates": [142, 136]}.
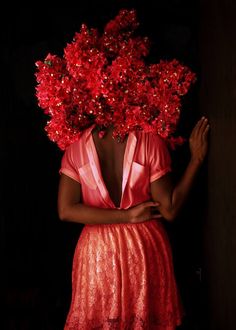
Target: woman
{"type": "Point", "coordinates": [123, 276]}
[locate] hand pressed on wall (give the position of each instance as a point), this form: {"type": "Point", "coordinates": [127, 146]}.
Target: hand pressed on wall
{"type": "Point", "coordinates": [198, 141]}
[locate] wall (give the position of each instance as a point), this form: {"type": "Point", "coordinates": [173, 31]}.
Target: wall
{"type": "Point", "coordinates": [217, 45]}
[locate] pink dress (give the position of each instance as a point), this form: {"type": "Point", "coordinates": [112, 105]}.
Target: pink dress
{"type": "Point", "coordinates": [122, 276]}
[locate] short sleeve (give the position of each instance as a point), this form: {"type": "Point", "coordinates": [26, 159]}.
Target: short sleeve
{"type": "Point", "coordinates": [68, 165]}
{"type": "Point", "coordinates": [159, 157]}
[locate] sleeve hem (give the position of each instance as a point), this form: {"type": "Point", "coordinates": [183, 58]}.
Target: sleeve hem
{"type": "Point", "coordinates": [70, 174]}
{"type": "Point", "coordinates": [159, 174]}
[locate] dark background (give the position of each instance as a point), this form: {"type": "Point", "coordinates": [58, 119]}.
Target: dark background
{"type": "Point", "coordinates": [36, 247]}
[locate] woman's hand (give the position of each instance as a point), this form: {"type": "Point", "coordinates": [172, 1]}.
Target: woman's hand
{"type": "Point", "coordinates": [198, 142]}
{"type": "Point", "coordinates": [144, 211]}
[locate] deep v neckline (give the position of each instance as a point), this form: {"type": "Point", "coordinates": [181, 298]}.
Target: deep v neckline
{"type": "Point", "coordinates": [95, 152]}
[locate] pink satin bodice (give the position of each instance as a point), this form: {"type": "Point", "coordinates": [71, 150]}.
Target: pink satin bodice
{"type": "Point", "coordinates": [146, 159]}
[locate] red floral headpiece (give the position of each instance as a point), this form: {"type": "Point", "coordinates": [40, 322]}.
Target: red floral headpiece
{"type": "Point", "coordinates": [103, 80]}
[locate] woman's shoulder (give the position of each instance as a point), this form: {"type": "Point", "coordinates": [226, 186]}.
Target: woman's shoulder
{"type": "Point", "coordinates": [80, 140]}
{"type": "Point", "coordinates": [74, 145]}
{"type": "Point", "coordinates": [150, 137]}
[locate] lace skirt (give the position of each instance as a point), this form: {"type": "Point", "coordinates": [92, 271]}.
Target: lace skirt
{"type": "Point", "coordinates": [123, 278]}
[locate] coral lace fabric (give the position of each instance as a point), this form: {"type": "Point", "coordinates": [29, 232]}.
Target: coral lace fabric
{"type": "Point", "coordinates": [122, 275]}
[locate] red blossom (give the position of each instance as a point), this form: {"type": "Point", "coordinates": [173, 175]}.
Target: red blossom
{"type": "Point", "coordinates": [104, 79]}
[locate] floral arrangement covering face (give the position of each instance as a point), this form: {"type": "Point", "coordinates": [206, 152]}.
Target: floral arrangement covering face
{"type": "Point", "coordinates": [104, 80]}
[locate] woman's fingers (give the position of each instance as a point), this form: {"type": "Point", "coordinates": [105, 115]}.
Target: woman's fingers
{"type": "Point", "coordinates": [150, 203]}
{"type": "Point", "coordinates": [205, 132]}
{"type": "Point", "coordinates": [204, 124]}
{"type": "Point", "coordinates": [155, 213]}
{"type": "Point", "coordinates": [156, 216]}
{"type": "Point", "coordinates": [195, 129]}
{"type": "Point", "coordinates": [198, 139]}
{"type": "Point", "coordinates": [199, 128]}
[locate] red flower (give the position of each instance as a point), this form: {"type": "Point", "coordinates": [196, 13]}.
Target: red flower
{"type": "Point", "coordinates": [104, 79]}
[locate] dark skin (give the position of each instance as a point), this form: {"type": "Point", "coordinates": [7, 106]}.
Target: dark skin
{"type": "Point", "coordinates": [167, 199]}
{"type": "Point", "coordinates": [111, 166]}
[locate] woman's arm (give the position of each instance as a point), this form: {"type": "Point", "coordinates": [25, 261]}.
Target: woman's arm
{"type": "Point", "coordinates": [71, 209]}
{"type": "Point", "coordinates": [172, 198]}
